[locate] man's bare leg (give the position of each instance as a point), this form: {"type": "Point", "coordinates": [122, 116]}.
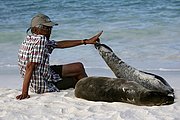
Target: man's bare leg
{"type": "Point", "coordinates": [75, 70]}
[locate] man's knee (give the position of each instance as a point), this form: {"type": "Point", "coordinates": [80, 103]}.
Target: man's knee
{"type": "Point", "coordinates": [80, 66]}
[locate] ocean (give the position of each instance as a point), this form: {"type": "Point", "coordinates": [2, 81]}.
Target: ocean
{"type": "Point", "coordinates": [143, 33]}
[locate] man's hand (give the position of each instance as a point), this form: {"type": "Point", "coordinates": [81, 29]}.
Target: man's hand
{"type": "Point", "coordinates": [94, 39]}
{"type": "Point", "coordinates": [22, 96]}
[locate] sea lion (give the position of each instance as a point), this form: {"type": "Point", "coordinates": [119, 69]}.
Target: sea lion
{"type": "Point", "coordinates": [122, 70]}
{"type": "Point", "coordinates": [119, 90]}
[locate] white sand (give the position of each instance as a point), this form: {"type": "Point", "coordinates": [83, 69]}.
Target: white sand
{"type": "Point", "coordinates": [65, 106]}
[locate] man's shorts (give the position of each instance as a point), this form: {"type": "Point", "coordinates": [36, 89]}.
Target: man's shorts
{"type": "Point", "coordinates": [66, 82]}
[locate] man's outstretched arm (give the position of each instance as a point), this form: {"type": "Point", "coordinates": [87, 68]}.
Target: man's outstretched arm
{"type": "Point", "coordinates": [72, 43]}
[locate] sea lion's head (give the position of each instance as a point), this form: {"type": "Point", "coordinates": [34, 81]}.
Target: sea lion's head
{"type": "Point", "coordinates": [102, 48]}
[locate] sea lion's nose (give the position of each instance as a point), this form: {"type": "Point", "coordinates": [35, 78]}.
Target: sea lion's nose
{"type": "Point", "coordinates": [96, 45]}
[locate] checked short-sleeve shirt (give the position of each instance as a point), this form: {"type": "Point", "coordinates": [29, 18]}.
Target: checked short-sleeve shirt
{"type": "Point", "coordinates": [36, 48]}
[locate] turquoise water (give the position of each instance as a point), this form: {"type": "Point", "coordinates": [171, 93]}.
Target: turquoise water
{"type": "Point", "coordinates": [144, 33]}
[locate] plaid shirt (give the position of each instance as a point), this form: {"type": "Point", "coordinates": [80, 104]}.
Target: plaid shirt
{"type": "Point", "coordinates": [36, 48]}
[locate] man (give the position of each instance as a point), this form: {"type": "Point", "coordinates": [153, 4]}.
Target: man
{"type": "Point", "coordinates": [33, 60]}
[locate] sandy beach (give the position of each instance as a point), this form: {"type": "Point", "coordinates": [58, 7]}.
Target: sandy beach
{"type": "Point", "coordinates": [143, 33]}
{"type": "Point", "coordinates": [65, 106]}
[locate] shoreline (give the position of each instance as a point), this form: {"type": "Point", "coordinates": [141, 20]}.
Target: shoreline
{"type": "Point", "coordinates": [13, 80]}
